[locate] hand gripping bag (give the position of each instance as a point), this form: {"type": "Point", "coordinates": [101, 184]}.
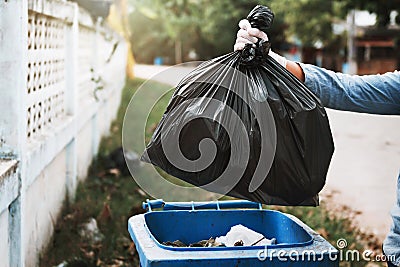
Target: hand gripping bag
{"type": "Point", "coordinates": [244, 126]}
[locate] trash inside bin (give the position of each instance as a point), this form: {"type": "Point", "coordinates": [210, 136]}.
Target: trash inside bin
{"type": "Point", "coordinates": [240, 235]}
{"type": "Point", "coordinates": [190, 222]}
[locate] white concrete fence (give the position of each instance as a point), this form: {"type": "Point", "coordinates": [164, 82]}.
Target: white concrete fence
{"type": "Point", "coordinates": [61, 75]}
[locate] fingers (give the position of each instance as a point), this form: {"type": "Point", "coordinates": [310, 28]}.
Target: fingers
{"type": "Point", "coordinates": [243, 40]}
{"type": "Point", "coordinates": [240, 43]}
{"type": "Point", "coordinates": [248, 35]}
{"type": "Point", "coordinates": [238, 46]}
{"type": "Point", "coordinates": [245, 35]}
{"type": "Point", "coordinates": [257, 33]}
{"type": "Point", "coordinates": [244, 24]}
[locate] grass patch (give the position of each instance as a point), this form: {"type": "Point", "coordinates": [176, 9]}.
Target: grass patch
{"type": "Point", "coordinates": [112, 197]}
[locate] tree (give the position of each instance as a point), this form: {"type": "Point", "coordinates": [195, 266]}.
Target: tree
{"type": "Point", "coordinates": [207, 26]}
{"type": "Point", "coordinates": [148, 37]}
{"type": "Point", "coordinates": [181, 21]}
{"type": "Point", "coordinates": [309, 20]}
{"type": "Point", "coordinates": [221, 20]}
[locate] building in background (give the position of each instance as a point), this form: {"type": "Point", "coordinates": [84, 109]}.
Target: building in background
{"type": "Point", "coordinates": [369, 49]}
{"type": "Point", "coordinates": [377, 50]}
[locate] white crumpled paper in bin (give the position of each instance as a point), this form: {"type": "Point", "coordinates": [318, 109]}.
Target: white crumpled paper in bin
{"type": "Point", "coordinates": [247, 236]}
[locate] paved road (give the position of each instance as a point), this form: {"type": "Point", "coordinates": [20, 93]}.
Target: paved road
{"type": "Point", "coordinates": [365, 164]}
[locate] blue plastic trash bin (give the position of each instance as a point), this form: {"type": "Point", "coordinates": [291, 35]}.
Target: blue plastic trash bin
{"type": "Point", "coordinates": [190, 222]}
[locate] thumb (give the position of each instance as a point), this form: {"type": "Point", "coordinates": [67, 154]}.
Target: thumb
{"type": "Point", "coordinates": [244, 24]}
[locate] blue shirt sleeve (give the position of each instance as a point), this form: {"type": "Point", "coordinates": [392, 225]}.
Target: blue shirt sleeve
{"type": "Point", "coordinates": [376, 94]}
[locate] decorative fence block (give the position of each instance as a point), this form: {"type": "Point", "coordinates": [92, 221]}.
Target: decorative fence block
{"type": "Point", "coordinates": [46, 72]}
{"type": "Point", "coordinates": [60, 70]}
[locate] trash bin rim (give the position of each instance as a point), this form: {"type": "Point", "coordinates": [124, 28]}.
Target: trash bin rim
{"type": "Point", "coordinates": [276, 246]}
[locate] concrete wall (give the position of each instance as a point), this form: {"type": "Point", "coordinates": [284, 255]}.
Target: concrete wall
{"type": "Point", "coordinates": [43, 200]}
{"type": "Point", "coordinates": [9, 213]}
{"type": "Point", "coordinates": [4, 253]}
{"type": "Point", "coordinates": [60, 88]}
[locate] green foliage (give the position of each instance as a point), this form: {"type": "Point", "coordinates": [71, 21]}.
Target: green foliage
{"type": "Point", "coordinates": [222, 18]}
{"type": "Point", "coordinates": [209, 27]}
{"type": "Point", "coordinates": [309, 20]}
{"type": "Point", "coordinates": [148, 38]}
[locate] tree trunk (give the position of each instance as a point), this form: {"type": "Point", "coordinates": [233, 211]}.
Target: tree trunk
{"type": "Point", "coordinates": [178, 51]}
{"type": "Point", "coordinates": [351, 47]}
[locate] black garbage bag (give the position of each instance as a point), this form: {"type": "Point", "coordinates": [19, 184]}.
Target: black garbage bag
{"type": "Point", "coordinates": [244, 126]}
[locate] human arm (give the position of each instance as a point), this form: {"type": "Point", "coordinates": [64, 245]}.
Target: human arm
{"type": "Point", "coordinates": [378, 94]}
{"type": "Point", "coordinates": [296, 70]}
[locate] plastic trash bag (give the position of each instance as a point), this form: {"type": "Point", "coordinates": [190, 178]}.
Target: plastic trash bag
{"type": "Point", "coordinates": [240, 235]}
{"type": "Point", "coordinates": [244, 126]}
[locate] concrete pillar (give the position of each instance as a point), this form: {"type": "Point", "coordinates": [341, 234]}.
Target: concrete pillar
{"type": "Point", "coordinates": [13, 69]}
{"type": "Point", "coordinates": [13, 118]}
{"type": "Point", "coordinates": [98, 72]}
{"type": "Point", "coordinates": [72, 100]}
